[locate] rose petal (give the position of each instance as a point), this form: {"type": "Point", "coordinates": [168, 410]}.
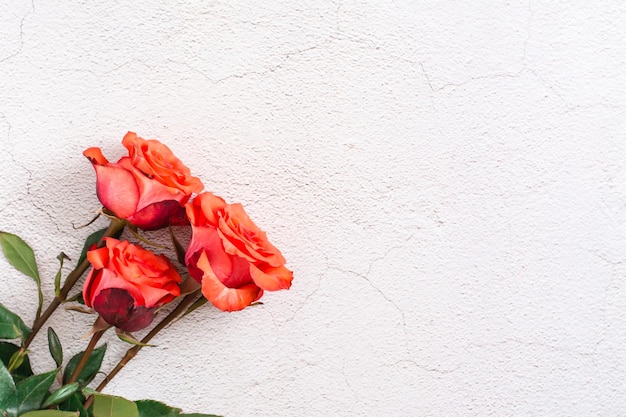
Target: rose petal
{"type": "Point", "coordinates": [117, 190]}
{"type": "Point", "coordinates": [222, 297]}
{"type": "Point", "coordinates": [150, 190]}
{"type": "Point", "coordinates": [95, 156]}
{"type": "Point", "coordinates": [272, 278]}
{"type": "Point", "coordinates": [157, 296]}
{"type": "Point", "coordinates": [98, 257]}
{"type": "Point", "coordinates": [210, 205]}
{"type": "Point", "coordinates": [91, 286]}
{"type": "Point", "coordinates": [206, 239]}
{"type": "Point", "coordinates": [244, 238]}
{"type": "Point", "coordinates": [157, 161]}
{"type": "Point", "coordinates": [109, 279]}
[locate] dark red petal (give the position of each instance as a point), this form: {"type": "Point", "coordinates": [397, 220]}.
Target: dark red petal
{"type": "Point", "coordinates": [159, 215]}
{"type": "Point", "coordinates": [117, 307]}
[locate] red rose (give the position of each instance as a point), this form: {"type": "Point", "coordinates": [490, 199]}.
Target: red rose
{"type": "Point", "coordinates": [230, 255]}
{"type": "Point", "coordinates": [127, 284]}
{"type": "Point", "coordinates": [149, 187]}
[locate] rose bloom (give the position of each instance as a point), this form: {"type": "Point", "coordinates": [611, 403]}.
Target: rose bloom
{"type": "Point", "coordinates": [230, 256]}
{"type": "Point", "coordinates": [149, 187]}
{"type": "Point", "coordinates": [127, 283]}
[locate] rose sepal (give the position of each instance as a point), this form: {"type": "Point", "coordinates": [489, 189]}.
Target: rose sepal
{"type": "Point", "coordinates": [130, 338]}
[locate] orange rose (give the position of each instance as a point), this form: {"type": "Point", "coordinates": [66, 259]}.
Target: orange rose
{"type": "Point", "coordinates": [230, 255]}
{"type": "Point", "coordinates": [149, 187]}
{"type": "Point", "coordinates": [127, 283]}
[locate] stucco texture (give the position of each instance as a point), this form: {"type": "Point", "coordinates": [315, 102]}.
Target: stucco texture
{"type": "Point", "coordinates": [446, 180]}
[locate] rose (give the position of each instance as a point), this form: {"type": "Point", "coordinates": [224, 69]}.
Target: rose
{"type": "Point", "coordinates": [149, 187]}
{"type": "Point", "coordinates": [230, 256]}
{"type": "Point", "coordinates": [127, 283]}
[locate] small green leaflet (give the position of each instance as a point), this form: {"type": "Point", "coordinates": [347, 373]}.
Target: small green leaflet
{"type": "Point", "coordinates": [57, 279]}
{"type": "Point", "coordinates": [54, 345]}
{"type": "Point", "coordinates": [22, 258]}
{"type": "Point", "coordinates": [7, 350]}
{"type": "Point", "coordinates": [62, 394]}
{"type": "Point", "coordinates": [11, 325]}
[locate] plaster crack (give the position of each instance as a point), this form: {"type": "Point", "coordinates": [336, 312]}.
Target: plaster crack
{"type": "Point", "coordinates": [21, 43]}
{"type": "Point", "coordinates": [606, 304]}
{"type": "Point", "coordinates": [30, 176]}
{"type": "Point", "coordinates": [513, 340]}
{"type": "Point", "coordinates": [270, 69]}
{"type": "Point", "coordinates": [317, 288]}
{"type": "Point", "coordinates": [7, 204]}
{"type": "Point", "coordinates": [516, 74]}
{"type": "Point", "coordinates": [481, 77]}
{"type": "Point", "coordinates": [107, 72]}
{"type": "Point", "coordinates": [426, 368]}
{"type": "Point", "coordinates": [426, 76]}
{"type": "Point", "coordinates": [347, 380]}
{"type": "Point", "coordinates": [366, 278]}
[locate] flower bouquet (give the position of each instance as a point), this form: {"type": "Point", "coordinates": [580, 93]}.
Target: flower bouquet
{"type": "Point", "coordinates": [228, 262]}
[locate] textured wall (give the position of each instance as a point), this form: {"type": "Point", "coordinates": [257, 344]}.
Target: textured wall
{"type": "Point", "coordinates": [446, 181]}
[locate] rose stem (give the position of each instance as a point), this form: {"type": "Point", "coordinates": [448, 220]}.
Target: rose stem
{"type": "Point", "coordinates": [130, 353]}
{"type": "Point", "coordinates": [73, 277]}
{"type": "Point", "coordinates": [83, 360]}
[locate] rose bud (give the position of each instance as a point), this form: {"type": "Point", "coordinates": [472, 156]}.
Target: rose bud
{"type": "Point", "coordinates": [149, 187]}
{"type": "Point", "coordinates": [230, 256]}
{"type": "Point", "coordinates": [128, 283]}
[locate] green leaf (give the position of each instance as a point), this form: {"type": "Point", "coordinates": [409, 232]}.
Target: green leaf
{"type": "Point", "coordinates": [7, 350]}
{"type": "Point", "coordinates": [22, 258]}
{"type": "Point", "coordinates": [75, 403]}
{"type": "Point", "coordinates": [61, 395]}
{"type": "Point", "coordinates": [19, 255]}
{"type": "Point", "coordinates": [90, 369]}
{"type": "Point", "coordinates": [50, 413]}
{"type": "Point", "coordinates": [57, 279]}
{"type": "Point", "coordinates": [17, 359]}
{"type": "Point", "coordinates": [11, 325]}
{"type": "Point", "coordinates": [110, 406]}
{"type": "Point", "coordinates": [8, 399]}
{"type": "Point", "coordinates": [150, 408]}
{"type": "Point", "coordinates": [32, 391]}
{"type": "Point", "coordinates": [54, 345]}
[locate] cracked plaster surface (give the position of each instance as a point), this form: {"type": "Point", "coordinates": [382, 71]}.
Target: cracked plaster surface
{"type": "Point", "coordinates": [447, 183]}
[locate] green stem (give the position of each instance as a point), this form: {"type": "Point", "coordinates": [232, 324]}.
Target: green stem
{"type": "Point", "coordinates": [83, 360]}
{"type": "Point", "coordinates": [114, 227]}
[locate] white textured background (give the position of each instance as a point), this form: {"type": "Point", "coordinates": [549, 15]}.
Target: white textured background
{"type": "Point", "coordinates": [446, 181]}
